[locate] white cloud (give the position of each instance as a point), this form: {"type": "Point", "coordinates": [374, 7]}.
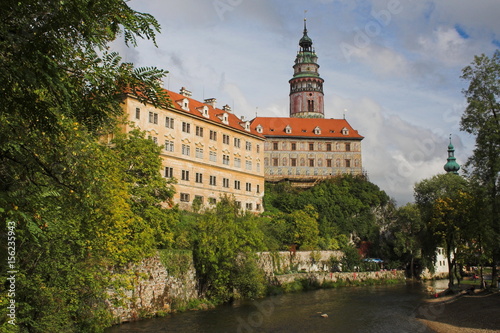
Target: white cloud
{"type": "Point", "coordinates": [444, 45]}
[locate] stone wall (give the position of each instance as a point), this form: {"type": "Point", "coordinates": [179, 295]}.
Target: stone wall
{"type": "Point", "coordinates": [151, 289]}
{"type": "Point", "coordinates": [322, 277]}
{"type": "Point", "coordinates": [299, 261]}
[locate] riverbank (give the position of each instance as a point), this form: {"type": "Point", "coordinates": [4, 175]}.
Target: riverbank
{"type": "Point", "coordinates": [462, 313]}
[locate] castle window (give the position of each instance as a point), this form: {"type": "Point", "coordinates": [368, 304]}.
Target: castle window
{"type": "Point", "coordinates": [199, 177]}
{"type": "Point", "coordinates": [213, 135]}
{"type": "Point", "coordinates": [347, 147]}
{"type": "Point", "coordinates": [293, 162]}
{"type": "Point", "coordinates": [311, 146]}
{"type": "Point", "coordinates": [328, 163]}
{"type": "Point", "coordinates": [153, 117]}
{"type": "Point", "coordinates": [185, 175]}
{"type": "Point", "coordinates": [199, 131]}
{"type": "Point", "coordinates": [311, 162]}
{"type": "Point", "coordinates": [294, 146]}
{"type": "Point", "coordinates": [169, 145]}
{"type": "Point", "coordinates": [347, 163]}
{"type": "Point", "coordinates": [213, 156]}
{"type": "Point", "coordinates": [169, 172]}
{"type": "Point", "coordinates": [328, 147]}
{"type": "Point", "coordinates": [185, 197]}
{"type": "Point", "coordinates": [137, 113]}
{"type": "Point", "coordinates": [169, 122]}
{"type": "Point", "coordinates": [275, 146]}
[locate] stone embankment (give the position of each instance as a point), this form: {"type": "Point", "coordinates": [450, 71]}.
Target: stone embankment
{"type": "Point", "coordinates": [151, 289]}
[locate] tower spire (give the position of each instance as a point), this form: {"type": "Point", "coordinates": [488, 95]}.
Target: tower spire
{"type": "Point", "coordinates": [451, 166]}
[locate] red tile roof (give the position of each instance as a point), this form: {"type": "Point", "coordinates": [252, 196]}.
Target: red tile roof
{"type": "Point", "coordinates": [214, 114]}
{"type": "Point", "coordinates": [305, 127]}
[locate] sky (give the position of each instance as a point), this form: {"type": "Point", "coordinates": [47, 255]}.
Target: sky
{"type": "Point", "coordinates": [391, 67]}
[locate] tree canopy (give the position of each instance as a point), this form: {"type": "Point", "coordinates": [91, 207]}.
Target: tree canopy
{"type": "Point", "coordinates": [79, 206]}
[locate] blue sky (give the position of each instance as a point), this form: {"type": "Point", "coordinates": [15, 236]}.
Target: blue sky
{"type": "Point", "coordinates": [394, 65]}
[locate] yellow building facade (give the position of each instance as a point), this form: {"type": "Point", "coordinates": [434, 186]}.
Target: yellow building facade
{"type": "Point", "coordinates": [209, 152]}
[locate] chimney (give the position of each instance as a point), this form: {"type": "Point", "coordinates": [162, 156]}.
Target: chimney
{"type": "Point", "coordinates": [226, 108]}
{"type": "Point", "coordinates": [185, 92]}
{"type": "Point", "coordinates": [211, 101]}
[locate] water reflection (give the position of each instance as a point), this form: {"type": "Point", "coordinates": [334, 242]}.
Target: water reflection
{"type": "Point", "coordinates": [349, 309]}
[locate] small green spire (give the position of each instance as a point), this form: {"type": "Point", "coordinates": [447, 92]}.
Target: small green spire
{"type": "Point", "coordinates": [451, 166]}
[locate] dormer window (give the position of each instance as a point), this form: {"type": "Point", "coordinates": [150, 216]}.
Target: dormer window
{"type": "Point", "coordinates": [185, 104]}
{"type": "Point", "coordinates": [225, 118]}
{"type": "Point", "coordinates": [247, 126]}
{"type": "Point", "coordinates": [204, 111]}
{"type": "Point", "coordinates": [317, 130]}
{"type": "Point", "coordinates": [345, 131]}
{"type": "Point", "coordinates": [288, 129]}
{"type": "Point", "coordinates": [259, 128]}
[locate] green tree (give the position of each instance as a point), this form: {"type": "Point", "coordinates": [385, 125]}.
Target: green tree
{"type": "Point", "coordinates": [482, 119]}
{"type": "Point", "coordinates": [150, 193]}
{"type": "Point", "coordinates": [407, 231]}
{"type": "Point", "coordinates": [305, 227]}
{"type": "Point", "coordinates": [444, 204]}
{"type": "Point", "coordinates": [224, 252]}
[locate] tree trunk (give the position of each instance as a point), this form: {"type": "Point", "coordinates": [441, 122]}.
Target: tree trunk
{"type": "Point", "coordinates": [411, 268]}
{"type": "Point", "coordinates": [450, 267]}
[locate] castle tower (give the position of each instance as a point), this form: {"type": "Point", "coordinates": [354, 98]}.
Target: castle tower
{"type": "Point", "coordinates": [306, 86]}
{"type": "Point", "coordinates": [452, 165]}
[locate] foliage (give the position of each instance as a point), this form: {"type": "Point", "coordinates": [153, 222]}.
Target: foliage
{"type": "Point", "coordinates": [345, 205]}
{"type": "Point", "coordinates": [444, 204]}
{"type": "Point", "coordinates": [76, 208]}
{"type": "Point", "coordinates": [408, 231]}
{"type": "Point", "coordinates": [351, 260]}
{"type": "Point", "coordinates": [482, 119]}
{"type": "Point", "coordinates": [150, 192]}
{"type": "Point", "coordinates": [224, 252]}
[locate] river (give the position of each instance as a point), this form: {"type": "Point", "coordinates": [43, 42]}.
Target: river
{"type": "Point", "coordinates": [390, 308]}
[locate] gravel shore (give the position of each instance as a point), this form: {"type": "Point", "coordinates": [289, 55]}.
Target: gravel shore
{"type": "Point", "coordinates": [477, 313]}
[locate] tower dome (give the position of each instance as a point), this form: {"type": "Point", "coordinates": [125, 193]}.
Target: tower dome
{"type": "Point", "coordinates": [451, 166]}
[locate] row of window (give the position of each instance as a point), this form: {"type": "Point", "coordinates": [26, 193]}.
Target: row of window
{"type": "Point", "coordinates": [185, 175]}
{"type": "Point", "coordinates": [294, 162]}
{"type": "Point", "coordinates": [199, 153]}
{"type": "Point", "coordinates": [199, 131]}
{"type": "Point", "coordinates": [186, 197]}
{"type": "Point", "coordinates": [311, 145]}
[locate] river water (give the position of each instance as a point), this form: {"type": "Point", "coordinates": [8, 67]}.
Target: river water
{"type": "Point", "coordinates": [389, 308]}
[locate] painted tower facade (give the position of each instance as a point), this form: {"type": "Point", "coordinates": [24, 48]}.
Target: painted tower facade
{"type": "Point", "coordinates": [306, 86]}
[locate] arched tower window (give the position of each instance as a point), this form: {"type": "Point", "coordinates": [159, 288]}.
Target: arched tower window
{"type": "Point", "coordinates": [310, 105]}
